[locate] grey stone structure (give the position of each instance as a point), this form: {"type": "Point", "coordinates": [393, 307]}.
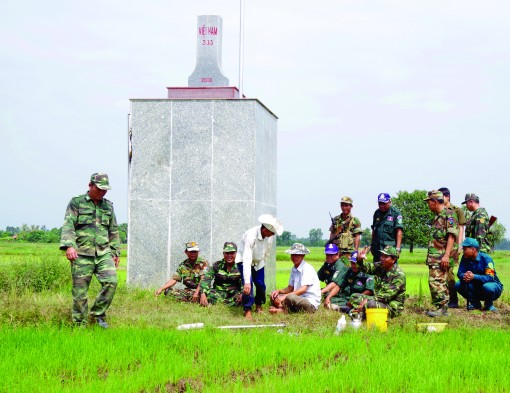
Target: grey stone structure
{"type": "Point", "coordinates": [202, 170]}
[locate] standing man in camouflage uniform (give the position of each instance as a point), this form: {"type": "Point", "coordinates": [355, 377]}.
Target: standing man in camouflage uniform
{"type": "Point", "coordinates": [461, 219]}
{"type": "Point", "coordinates": [387, 226]}
{"type": "Point", "coordinates": [190, 272]}
{"type": "Point", "coordinates": [477, 226]}
{"type": "Point", "coordinates": [345, 230]}
{"type": "Point", "coordinates": [223, 282]}
{"type": "Point", "coordinates": [442, 246]}
{"type": "Point", "coordinates": [389, 283]}
{"type": "Point", "coordinates": [354, 281]}
{"type": "Point", "coordinates": [332, 273]}
{"type": "Point", "coordinates": [90, 239]}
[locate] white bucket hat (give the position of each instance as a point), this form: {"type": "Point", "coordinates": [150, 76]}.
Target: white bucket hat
{"type": "Point", "coordinates": [271, 223]}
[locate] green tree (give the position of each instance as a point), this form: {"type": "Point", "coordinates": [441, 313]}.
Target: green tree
{"type": "Point", "coordinates": [123, 230]}
{"type": "Point", "coordinates": [416, 216]}
{"type": "Point", "coordinates": [286, 239]}
{"type": "Point", "coordinates": [366, 237]}
{"type": "Point", "coordinates": [315, 237]}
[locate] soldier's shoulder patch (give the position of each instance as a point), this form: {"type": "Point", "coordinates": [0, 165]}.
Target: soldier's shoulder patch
{"type": "Point", "coordinates": [482, 220]}
{"type": "Point", "coordinates": [451, 221]}
{"type": "Point", "coordinates": [490, 265]}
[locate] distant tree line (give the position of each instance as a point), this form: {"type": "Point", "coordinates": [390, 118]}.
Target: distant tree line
{"type": "Point", "coordinates": [41, 234]}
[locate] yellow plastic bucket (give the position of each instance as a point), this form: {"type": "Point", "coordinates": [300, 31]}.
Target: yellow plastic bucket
{"type": "Point", "coordinates": [377, 317]}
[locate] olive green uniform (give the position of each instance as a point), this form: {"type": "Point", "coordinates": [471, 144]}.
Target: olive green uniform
{"type": "Point", "coordinates": [385, 226]}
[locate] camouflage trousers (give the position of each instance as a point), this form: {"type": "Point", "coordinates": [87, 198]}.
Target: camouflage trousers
{"type": "Point", "coordinates": [182, 295]}
{"type": "Point", "coordinates": [230, 299]}
{"type": "Point", "coordinates": [357, 298]}
{"type": "Point", "coordinates": [438, 284]}
{"type": "Point", "coordinates": [82, 270]}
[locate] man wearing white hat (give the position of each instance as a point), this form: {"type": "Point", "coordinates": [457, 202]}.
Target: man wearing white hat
{"type": "Point", "coordinates": [304, 291]}
{"type": "Point", "coordinates": [254, 250]}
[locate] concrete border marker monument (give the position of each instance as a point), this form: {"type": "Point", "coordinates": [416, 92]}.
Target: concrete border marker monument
{"type": "Point", "coordinates": [202, 167]}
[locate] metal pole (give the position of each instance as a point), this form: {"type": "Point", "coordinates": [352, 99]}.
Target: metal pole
{"type": "Point", "coordinates": [241, 47]}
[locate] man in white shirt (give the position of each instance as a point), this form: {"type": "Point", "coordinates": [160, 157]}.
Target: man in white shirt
{"type": "Point", "coordinates": [304, 291]}
{"type": "Point", "coordinates": [254, 250]}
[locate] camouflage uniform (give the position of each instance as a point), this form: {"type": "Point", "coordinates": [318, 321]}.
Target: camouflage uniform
{"type": "Point", "coordinates": [190, 275]}
{"type": "Point", "coordinates": [353, 283]}
{"type": "Point", "coordinates": [219, 284]}
{"type": "Point", "coordinates": [443, 224]}
{"type": "Point", "coordinates": [349, 228]}
{"type": "Point", "coordinates": [385, 227]}
{"type": "Point", "coordinates": [332, 273]}
{"type": "Point", "coordinates": [389, 288]}
{"type": "Point", "coordinates": [92, 230]}
{"type": "Point", "coordinates": [477, 227]}
{"type": "Point", "coordinates": [461, 219]}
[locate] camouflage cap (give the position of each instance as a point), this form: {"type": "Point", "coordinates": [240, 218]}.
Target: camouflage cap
{"type": "Point", "coordinates": [192, 246]}
{"type": "Point", "coordinates": [470, 242]}
{"type": "Point", "coordinates": [331, 248]}
{"type": "Point", "coordinates": [298, 248]}
{"type": "Point", "coordinates": [434, 194]}
{"type": "Point", "coordinates": [100, 179]}
{"type": "Point", "coordinates": [390, 250]}
{"type": "Point", "coordinates": [229, 247]}
{"type": "Point", "coordinates": [346, 199]}
{"type": "Point", "coordinates": [471, 196]}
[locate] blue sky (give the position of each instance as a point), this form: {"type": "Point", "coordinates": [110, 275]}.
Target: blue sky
{"type": "Point", "coordinates": [371, 97]}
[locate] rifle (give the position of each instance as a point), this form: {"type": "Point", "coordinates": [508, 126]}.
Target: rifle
{"type": "Point", "coordinates": [492, 220]}
{"type": "Point", "coordinates": [336, 236]}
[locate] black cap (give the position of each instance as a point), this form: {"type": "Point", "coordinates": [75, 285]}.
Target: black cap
{"type": "Point", "coordinates": [445, 191]}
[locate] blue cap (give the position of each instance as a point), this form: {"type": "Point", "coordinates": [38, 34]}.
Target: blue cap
{"type": "Point", "coordinates": [383, 197]}
{"type": "Point", "coordinates": [354, 256]}
{"type": "Point", "coordinates": [331, 249]}
{"type": "Point", "coordinates": [470, 242]}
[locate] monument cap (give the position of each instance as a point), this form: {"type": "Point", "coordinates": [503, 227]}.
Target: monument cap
{"type": "Point", "coordinates": [298, 249]}
{"type": "Point", "coordinates": [383, 197]}
{"type": "Point", "coordinates": [331, 249]}
{"type": "Point", "coordinates": [229, 247]}
{"type": "Point", "coordinates": [192, 246]}
{"type": "Point", "coordinates": [101, 180]}
{"type": "Point", "coordinates": [272, 223]}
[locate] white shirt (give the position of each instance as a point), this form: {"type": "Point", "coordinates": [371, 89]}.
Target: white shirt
{"type": "Point", "coordinates": [254, 251]}
{"type": "Point", "coordinates": [305, 274]}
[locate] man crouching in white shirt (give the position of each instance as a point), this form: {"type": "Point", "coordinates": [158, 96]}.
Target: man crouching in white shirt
{"type": "Point", "coordinates": [304, 291]}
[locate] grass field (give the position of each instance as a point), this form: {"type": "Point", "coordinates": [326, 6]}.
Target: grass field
{"type": "Point", "coordinates": [143, 352]}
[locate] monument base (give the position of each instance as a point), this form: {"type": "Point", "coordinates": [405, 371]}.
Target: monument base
{"type": "Point", "coordinates": [200, 170]}
{"type": "Point", "coordinates": [203, 92]}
